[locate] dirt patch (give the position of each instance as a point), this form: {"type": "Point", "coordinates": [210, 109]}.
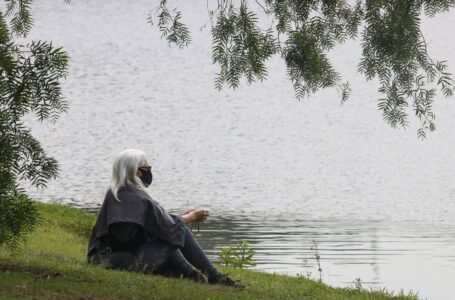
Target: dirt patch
{"type": "Point", "coordinates": [35, 272]}
{"type": "Point", "coordinates": [22, 291]}
{"type": "Point", "coordinates": [63, 296]}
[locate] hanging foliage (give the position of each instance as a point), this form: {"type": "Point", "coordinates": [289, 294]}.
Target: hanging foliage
{"type": "Point", "coordinates": [30, 77]}
{"type": "Point", "coordinates": [303, 32]}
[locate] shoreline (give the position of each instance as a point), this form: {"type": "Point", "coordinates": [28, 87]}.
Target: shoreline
{"type": "Point", "coordinates": [52, 265]}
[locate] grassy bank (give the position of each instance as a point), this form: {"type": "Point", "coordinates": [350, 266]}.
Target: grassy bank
{"type": "Point", "coordinates": [51, 265]}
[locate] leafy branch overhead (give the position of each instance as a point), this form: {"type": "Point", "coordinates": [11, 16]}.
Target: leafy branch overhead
{"type": "Point", "coordinates": [303, 32]}
{"type": "Point", "coordinates": [30, 77]}
{"type": "Point", "coordinates": [169, 23]}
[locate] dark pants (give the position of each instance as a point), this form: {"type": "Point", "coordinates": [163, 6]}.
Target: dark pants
{"type": "Point", "coordinates": [158, 257]}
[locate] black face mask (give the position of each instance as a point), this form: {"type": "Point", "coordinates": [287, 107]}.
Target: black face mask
{"type": "Point", "coordinates": [146, 177]}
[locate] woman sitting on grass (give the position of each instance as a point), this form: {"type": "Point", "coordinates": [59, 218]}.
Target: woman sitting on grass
{"type": "Point", "coordinates": [133, 232]}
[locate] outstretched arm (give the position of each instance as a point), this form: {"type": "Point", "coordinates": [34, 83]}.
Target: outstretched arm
{"type": "Point", "coordinates": [195, 215]}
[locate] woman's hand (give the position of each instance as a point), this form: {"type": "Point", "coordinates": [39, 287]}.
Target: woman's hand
{"type": "Point", "coordinates": [200, 214]}
{"type": "Point", "coordinates": [195, 215]}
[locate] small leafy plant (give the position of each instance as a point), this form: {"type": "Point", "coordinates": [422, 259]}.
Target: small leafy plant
{"type": "Point", "coordinates": [239, 256]}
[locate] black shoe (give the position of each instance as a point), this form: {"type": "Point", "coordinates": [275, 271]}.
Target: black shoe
{"type": "Point", "coordinates": [225, 280]}
{"type": "Point", "coordinates": [196, 277]}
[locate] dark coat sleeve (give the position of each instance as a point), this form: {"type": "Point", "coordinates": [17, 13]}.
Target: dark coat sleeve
{"type": "Point", "coordinates": [166, 226]}
{"type": "Point", "coordinates": [135, 206]}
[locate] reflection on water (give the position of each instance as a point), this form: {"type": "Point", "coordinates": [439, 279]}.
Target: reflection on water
{"type": "Point", "coordinates": [370, 250]}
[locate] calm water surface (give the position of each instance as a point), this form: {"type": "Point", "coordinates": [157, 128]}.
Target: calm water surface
{"type": "Point", "coordinates": [378, 203]}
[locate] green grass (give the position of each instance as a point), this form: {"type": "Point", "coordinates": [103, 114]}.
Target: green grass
{"type": "Point", "coordinates": [52, 265]}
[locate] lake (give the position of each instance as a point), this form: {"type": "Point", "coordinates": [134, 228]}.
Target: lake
{"type": "Point", "coordinates": [294, 178]}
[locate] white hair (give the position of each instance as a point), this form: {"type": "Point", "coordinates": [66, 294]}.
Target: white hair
{"type": "Point", "coordinates": [124, 170]}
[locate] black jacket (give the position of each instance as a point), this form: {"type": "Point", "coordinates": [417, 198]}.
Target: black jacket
{"type": "Point", "coordinates": [137, 207]}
